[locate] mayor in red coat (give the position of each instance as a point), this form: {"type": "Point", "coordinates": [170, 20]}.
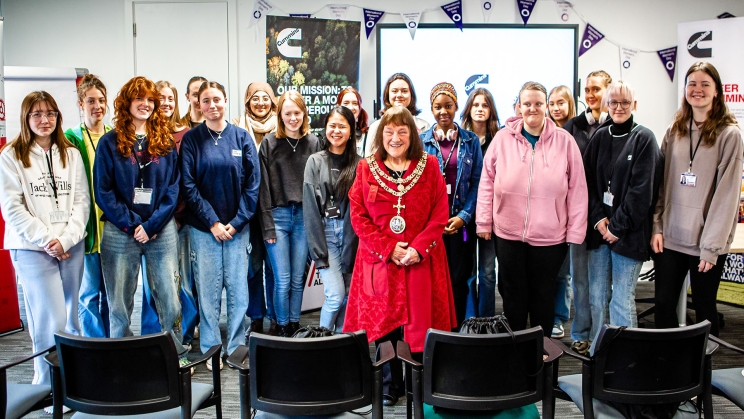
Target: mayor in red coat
{"type": "Point", "coordinates": [399, 211]}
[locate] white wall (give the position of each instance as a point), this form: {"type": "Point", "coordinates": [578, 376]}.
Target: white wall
{"type": "Point", "coordinates": [96, 34]}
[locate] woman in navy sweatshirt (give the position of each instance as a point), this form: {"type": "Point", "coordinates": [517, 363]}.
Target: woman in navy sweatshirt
{"type": "Point", "coordinates": [136, 187]}
{"type": "Point", "coordinates": [220, 183]}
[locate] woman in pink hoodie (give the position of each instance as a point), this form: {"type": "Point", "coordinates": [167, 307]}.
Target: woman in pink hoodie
{"type": "Point", "coordinates": [533, 198]}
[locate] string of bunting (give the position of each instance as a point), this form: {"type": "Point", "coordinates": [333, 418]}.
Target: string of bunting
{"type": "Point", "coordinates": [453, 10]}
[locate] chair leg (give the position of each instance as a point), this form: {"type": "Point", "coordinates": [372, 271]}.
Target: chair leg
{"type": "Point", "coordinates": [244, 380]}
{"type": "Point", "coordinates": [377, 402]}
{"type": "Point", "coordinates": [707, 396]}
{"type": "Point", "coordinates": [418, 402]}
{"type": "Point", "coordinates": [409, 392]}
{"type": "Point", "coordinates": [548, 402]}
{"type": "Point", "coordinates": [586, 391]}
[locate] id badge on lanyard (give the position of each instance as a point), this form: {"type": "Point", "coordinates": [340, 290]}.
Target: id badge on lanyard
{"type": "Point", "coordinates": [142, 196]}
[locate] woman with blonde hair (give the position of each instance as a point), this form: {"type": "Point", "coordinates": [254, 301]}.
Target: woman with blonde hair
{"type": "Point", "coordinates": [136, 185]}
{"type": "Point", "coordinates": [193, 116]}
{"type": "Point", "coordinates": [696, 214]}
{"type": "Point", "coordinates": [283, 156]}
{"type": "Point", "coordinates": [561, 105]}
{"type": "Point", "coordinates": [350, 97]}
{"type": "Point", "coordinates": [45, 204]}
{"type": "Point", "coordinates": [93, 309]}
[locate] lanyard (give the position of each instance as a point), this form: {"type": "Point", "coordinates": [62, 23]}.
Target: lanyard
{"type": "Point", "coordinates": [332, 192]}
{"type": "Point", "coordinates": [141, 167]}
{"type": "Point", "coordinates": [692, 154]}
{"type": "Point", "coordinates": [50, 166]}
{"type": "Point", "coordinates": [90, 137]}
{"type": "Point", "coordinates": [456, 145]}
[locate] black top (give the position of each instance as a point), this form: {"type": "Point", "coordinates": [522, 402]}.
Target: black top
{"type": "Point", "coordinates": [580, 129]}
{"type": "Point", "coordinates": [282, 174]}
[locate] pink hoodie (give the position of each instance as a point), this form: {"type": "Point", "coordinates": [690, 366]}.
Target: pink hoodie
{"type": "Point", "coordinates": [538, 197]}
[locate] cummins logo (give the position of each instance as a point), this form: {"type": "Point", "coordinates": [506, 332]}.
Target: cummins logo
{"type": "Point", "coordinates": [475, 80]}
{"type": "Point", "coordinates": [282, 42]}
{"type": "Point", "coordinates": [695, 39]}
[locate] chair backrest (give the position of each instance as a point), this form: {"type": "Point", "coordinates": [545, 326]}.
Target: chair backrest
{"type": "Point", "coordinates": [318, 376]}
{"type": "Point", "coordinates": [124, 376]}
{"type": "Point", "coordinates": [649, 366]}
{"type": "Point", "coordinates": [483, 372]}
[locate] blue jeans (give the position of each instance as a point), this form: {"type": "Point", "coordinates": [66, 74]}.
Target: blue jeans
{"type": "Point", "coordinates": [121, 255]}
{"type": "Point", "coordinates": [50, 294]}
{"type": "Point", "coordinates": [216, 266]}
{"type": "Point", "coordinates": [288, 257]}
{"type": "Point", "coordinates": [189, 307]}
{"type": "Point", "coordinates": [259, 305]}
{"type": "Point", "coordinates": [93, 310]}
{"type": "Point", "coordinates": [582, 327]}
{"type": "Point", "coordinates": [332, 277]}
{"type": "Point", "coordinates": [486, 278]}
{"type": "Point", "coordinates": [613, 275]}
{"type": "Point", "coordinates": [563, 293]}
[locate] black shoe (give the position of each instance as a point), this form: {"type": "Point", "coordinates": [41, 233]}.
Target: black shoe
{"type": "Point", "coordinates": [272, 328]}
{"type": "Point", "coordinates": [256, 326]}
{"type": "Point", "coordinates": [389, 400]}
{"type": "Point", "coordinates": [281, 331]}
{"type": "Point", "coordinates": [292, 327]}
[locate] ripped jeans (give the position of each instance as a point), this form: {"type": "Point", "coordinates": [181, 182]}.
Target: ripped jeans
{"type": "Point", "coordinates": [120, 263]}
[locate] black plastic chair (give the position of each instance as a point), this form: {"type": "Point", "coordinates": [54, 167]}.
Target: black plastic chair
{"type": "Point", "coordinates": [642, 367]}
{"type": "Point", "coordinates": [318, 376]}
{"type": "Point", "coordinates": [729, 382]}
{"type": "Point", "coordinates": [17, 400]}
{"type": "Point", "coordinates": [129, 376]}
{"type": "Point", "coordinates": [480, 373]}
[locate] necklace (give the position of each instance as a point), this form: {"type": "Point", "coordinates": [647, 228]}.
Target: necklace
{"type": "Point", "coordinates": [140, 139]}
{"type": "Point", "coordinates": [294, 147]}
{"type": "Point", "coordinates": [397, 223]}
{"type": "Point", "coordinates": [219, 135]}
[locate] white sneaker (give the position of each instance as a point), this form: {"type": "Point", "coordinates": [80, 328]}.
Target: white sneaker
{"type": "Point", "coordinates": [49, 410]}
{"type": "Point", "coordinates": [558, 331]}
{"type": "Point", "coordinates": [209, 364]}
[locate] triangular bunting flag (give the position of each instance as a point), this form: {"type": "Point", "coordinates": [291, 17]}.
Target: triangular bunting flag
{"type": "Point", "coordinates": [591, 37]}
{"type": "Point", "coordinates": [525, 9]}
{"type": "Point", "coordinates": [454, 11]}
{"type": "Point", "coordinates": [564, 8]}
{"type": "Point", "coordinates": [669, 59]}
{"type": "Point", "coordinates": [338, 11]}
{"type": "Point", "coordinates": [486, 7]}
{"type": "Point", "coordinates": [260, 9]}
{"type": "Point", "coordinates": [411, 19]}
{"type": "Point", "coordinates": [627, 56]}
{"type": "Point", "coordinates": [371, 17]}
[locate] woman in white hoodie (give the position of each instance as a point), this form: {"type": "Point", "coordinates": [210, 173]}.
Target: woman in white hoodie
{"type": "Point", "coordinates": [45, 203]}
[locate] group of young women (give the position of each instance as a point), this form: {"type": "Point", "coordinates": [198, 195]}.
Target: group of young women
{"type": "Point", "coordinates": [199, 204]}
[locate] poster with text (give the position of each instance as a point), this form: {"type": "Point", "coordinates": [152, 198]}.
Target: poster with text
{"type": "Point", "coordinates": [316, 57]}
{"type": "Point", "coordinates": [719, 43]}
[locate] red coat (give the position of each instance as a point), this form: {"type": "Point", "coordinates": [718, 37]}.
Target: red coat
{"type": "Point", "coordinates": [384, 296]}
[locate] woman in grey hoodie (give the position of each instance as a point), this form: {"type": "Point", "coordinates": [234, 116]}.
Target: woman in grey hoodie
{"type": "Point", "coordinates": [696, 213]}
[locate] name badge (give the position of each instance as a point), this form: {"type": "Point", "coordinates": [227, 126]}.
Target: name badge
{"type": "Point", "coordinates": [608, 198]}
{"type": "Point", "coordinates": [237, 153]}
{"type": "Point", "coordinates": [688, 179]}
{"type": "Point", "coordinates": [58, 216]}
{"type": "Point", "coordinates": [143, 196]}
{"type": "Point", "coordinates": [449, 189]}
{"type": "Point", "coordinates": [332, 212]}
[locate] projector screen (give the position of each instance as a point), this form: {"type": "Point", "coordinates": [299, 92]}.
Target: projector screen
{"type": "Point", "coordinates": [499, 57]}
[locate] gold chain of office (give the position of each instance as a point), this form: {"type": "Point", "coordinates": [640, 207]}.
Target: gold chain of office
{"type": "Point", "coordinates": [397, 223]}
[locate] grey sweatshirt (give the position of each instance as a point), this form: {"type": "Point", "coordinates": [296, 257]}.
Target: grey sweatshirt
{"type": "Point", "coordinates": [700, 220]}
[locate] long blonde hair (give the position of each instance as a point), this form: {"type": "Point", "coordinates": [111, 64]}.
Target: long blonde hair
{"type": "Point", "coordinates": [298, 100]}
{"type": "Point", "coordinates": [174, 121]}
{"type": "Point", "coordinates": [565, 93]}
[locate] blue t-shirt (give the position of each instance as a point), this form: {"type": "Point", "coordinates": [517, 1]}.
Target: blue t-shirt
{"type": "Point", "coordinates": [531, 138]}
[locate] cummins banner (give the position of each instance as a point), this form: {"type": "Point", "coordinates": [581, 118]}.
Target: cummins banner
{"type": "Point", "coordinates": [718, 42]}
{"type": "Point", "coordinates": [316, 57]}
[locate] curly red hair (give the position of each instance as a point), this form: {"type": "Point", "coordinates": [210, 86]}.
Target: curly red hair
{"type": "Point", "coordinates": [160, 140]}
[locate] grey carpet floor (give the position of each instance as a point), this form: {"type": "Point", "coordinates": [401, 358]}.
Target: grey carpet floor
{"type": "Point", "coordinates": [18, 344]}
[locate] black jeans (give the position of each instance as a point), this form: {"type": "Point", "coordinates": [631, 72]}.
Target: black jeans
{"type": "Point", "coordinates": [671, 270]}
{"type": "Point", "coordinates": [527, 282]}
{"type": "Point", "coordinates": [461, 261]}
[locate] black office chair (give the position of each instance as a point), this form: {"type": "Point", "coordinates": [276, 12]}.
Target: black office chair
{"type": "Point", "coordinates": [320, 376]}
{"type": "Point", "coordinates": [635, 367]}
{"type": "Point", "coordinates": [729, 382]}
{"type": "Point", "coordinates": [17, 400]}
{"type": "Point", "coordinates": [137, 375]}
{"type": "Point", "coordinates": [478, 374]}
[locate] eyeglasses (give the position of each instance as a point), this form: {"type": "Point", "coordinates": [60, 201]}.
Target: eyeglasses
{"type": "Point", "coordinates": [36, 116]}
{"type": "Point", "coordinates": [624, 104]}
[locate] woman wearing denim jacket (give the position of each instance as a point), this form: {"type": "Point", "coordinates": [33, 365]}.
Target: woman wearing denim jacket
{"type": "Point", "coordinates": [460, 162]}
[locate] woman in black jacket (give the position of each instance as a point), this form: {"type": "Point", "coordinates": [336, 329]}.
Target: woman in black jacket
{"type": "Point", "coordinates": [623, 169]}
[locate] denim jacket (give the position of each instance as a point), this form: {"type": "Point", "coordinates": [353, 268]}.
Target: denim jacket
{"type": "Point", "coordinates": [469, 166]}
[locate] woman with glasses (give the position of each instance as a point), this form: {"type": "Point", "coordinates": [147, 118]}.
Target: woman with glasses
{"type": "Point", "coordinates": [696, 214]}
{"type": "Point", "coordinates": [45, 203]}
{"type": "Point", "coordinates": [93, 309]}
{"type": "Point", "coordinates": [623, 167]}
{"type": "Point", "coordinates": [283, 156]}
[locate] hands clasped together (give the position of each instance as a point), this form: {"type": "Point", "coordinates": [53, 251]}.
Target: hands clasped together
{"type": "Point", "coordinates": [404, 255]}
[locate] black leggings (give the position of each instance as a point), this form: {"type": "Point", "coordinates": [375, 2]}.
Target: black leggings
{"type": "Point", "coordinates": [461, 261]}
{"type": "Point", "coordinates": [671, 270]}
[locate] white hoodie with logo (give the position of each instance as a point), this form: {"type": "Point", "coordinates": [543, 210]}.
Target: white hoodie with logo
{"type": "Point", "coordinates": [27, 199]}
